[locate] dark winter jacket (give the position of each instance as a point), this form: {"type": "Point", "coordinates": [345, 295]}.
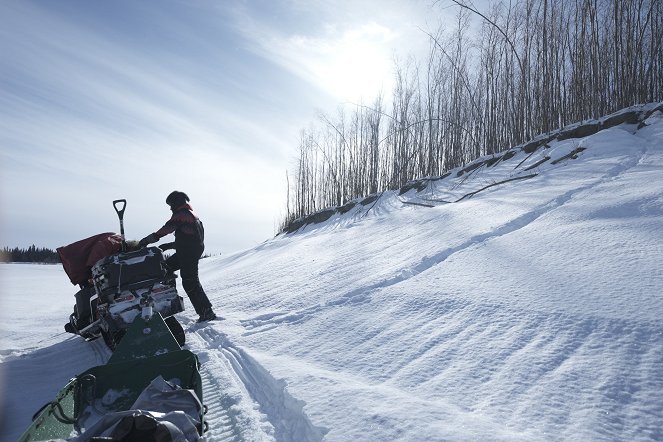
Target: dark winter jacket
{"type": "Point", "coordinates": [188, 229]}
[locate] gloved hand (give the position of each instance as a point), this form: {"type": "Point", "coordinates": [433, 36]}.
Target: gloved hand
{"type": "Point", "coordinates": [167, 246]}
{"type": "Point", "coordinates": [149, 239]}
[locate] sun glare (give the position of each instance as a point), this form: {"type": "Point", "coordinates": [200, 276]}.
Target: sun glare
{"type": "Point", "coordinates": [356, 66]}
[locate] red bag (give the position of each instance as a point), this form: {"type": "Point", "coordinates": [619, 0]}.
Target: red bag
{"type": "Point", "coordinates": [79, 257]}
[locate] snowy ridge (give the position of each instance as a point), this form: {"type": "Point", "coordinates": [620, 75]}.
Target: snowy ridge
{"type": "Point", "coordinates": [543, 154]}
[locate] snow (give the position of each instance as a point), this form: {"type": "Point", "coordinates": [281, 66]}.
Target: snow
{"type": "Point", "coordinates": [530, 311]}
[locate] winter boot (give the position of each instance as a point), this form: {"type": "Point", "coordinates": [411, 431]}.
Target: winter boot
{"type": "Point", "coordinates": [207, 315]}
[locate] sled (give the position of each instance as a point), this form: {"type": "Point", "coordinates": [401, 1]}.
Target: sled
{"type": "Point", "coordinates": [148, 354]}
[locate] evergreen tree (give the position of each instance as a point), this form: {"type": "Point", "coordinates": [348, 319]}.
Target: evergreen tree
{"type": "Point", "coordinates": [31, 254]}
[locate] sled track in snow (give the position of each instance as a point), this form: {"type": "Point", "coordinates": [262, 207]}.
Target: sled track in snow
{"type": "Point", "coordinates": [222, 423]}
{"type": "Point", "coordinates": [245, 402]}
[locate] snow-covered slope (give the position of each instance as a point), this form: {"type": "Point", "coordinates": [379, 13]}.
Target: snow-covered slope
{"type": "Point", "coordinates": [528, 311]}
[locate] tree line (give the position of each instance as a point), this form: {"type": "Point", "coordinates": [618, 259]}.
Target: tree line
{"type": "Point", "coordinates": [31, 254]}
{"type": "Point", "coordinates": [533, 67]}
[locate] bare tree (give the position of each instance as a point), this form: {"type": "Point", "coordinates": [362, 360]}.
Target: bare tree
{"type": "Point", "coordinates": [534, 66]}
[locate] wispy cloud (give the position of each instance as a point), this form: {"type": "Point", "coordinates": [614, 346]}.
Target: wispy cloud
{"type": "Point", "coordinates": [100, 100]}
{"type": "Point", "coordinates": [98, 118]}
{"type": "Point", "coordinates": [346, 48]}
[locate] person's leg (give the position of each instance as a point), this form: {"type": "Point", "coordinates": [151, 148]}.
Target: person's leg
{"type": "Point", "coordinates": [173, 263]}
{"type": "Point", "coordinates": [191, 283]}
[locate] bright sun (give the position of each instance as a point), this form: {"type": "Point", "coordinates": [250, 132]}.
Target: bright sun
{"type": "Point", "coordinates": [356, 65]}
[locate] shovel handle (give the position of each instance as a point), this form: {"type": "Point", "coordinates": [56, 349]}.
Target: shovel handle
{"type": "Point", "coordinates": [120, 211]}
{"type": "Point", "coordinates": [120, 214]}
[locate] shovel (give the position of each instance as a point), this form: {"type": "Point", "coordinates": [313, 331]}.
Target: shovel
{"type": "Point", "coordinates": [120, 214]}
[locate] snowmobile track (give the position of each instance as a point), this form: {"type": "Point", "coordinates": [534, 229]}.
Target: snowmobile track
{"type": "Point", "coordinates": [223, 425]}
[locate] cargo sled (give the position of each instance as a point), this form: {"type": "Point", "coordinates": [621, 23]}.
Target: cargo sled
{"type": "Point", "coordinates": [117, 287]}
{"type": "Point", "coordinates": [149, 390]}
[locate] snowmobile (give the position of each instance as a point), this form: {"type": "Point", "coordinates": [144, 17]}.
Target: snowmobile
{"type": "Point", "coordinates": [121, 286]}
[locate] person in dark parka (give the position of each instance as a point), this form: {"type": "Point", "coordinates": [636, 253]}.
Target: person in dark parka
{"type": "Point", "coordinates": [189, 245]}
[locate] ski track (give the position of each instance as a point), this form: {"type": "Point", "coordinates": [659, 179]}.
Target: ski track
{"type": "Point", "coordinates": [362, 295]}
{"type": "Point", "coordinates": [245, 402]}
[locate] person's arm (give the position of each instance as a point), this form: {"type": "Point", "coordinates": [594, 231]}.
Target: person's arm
{"type": "Point", "coordinates": [171, 225]}
{"type": "Point", "coordinates": [167, 228]}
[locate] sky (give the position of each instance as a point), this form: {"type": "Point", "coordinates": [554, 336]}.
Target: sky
{"type": "Point", "coordinates": [108, 100]}
{"type": "Point", "coordinates": [530, 311]}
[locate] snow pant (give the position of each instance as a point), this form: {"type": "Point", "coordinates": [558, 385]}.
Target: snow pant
{"type": "Point", "coordinates": [186, 260]}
